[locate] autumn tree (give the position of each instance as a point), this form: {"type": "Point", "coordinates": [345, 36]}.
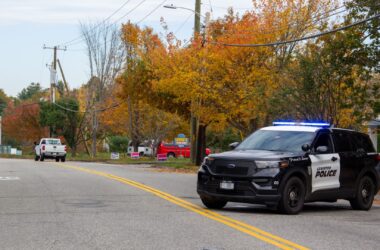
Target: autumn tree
{"type": "Point", "coordinates": [21, 123]}
{"type": "Point", "coordinates": [105, 54]}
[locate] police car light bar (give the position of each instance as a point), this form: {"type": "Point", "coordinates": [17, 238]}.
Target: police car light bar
{"type": "Point", "coordinates": [311, 124]}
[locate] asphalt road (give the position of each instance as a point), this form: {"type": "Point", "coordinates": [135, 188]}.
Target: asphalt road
{"type": "Point", "coordinates": [45, 205]}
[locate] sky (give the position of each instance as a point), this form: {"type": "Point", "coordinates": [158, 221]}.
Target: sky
{"type": "Point", "coordinates": [27, 25]}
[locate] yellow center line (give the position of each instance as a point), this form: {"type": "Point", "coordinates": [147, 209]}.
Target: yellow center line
{"type": "Point", "coordinates": [238, 225]}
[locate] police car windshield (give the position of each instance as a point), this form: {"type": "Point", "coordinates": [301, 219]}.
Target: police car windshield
{"type": "Point", "coordinates": [289, 141]}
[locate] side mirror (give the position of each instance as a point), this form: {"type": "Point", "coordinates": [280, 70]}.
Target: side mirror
{"type": "Point", "coordinates": [322, 149]}
{"type": "Point", "coordinates": [234, 145]}
{"type": "Point", "coordinates": [306, 147]}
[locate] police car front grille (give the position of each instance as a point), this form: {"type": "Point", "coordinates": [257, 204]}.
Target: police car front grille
{"type": "Point", "coordinates": [232, 168]}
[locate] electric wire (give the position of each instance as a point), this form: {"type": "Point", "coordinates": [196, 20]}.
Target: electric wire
{"type": "Point", "coordinates": [298, 39]}
{"type": "Point", "coordinates": [113, 23]}
{"type": "Point", "coordinates": [87, 110]}
{"type": "Point", "coordinates": [105, 20]}
{"type": "Point", "coordinates": [320, 17]}
{"type": "Point", "coordinates": [151, 12]}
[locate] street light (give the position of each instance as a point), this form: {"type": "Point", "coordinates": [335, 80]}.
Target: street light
{"type": "Point", "coordinates": [195, 155]}
{"type": "Point", "coordinates": [171, 6]}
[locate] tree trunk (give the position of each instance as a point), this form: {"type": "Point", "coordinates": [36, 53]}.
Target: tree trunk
{"type": "Point", "coordinates": [193, 138]}
{"type": "Point", "coordinates": [201, 144]}
{"type": "Point", "coordinates": [74, 150]}
{"type": "Point", "coordinates": [94, 132]}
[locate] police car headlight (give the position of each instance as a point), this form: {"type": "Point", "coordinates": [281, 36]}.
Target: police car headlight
{"type": "Point", "coordinates": [207, 161]}
{"type": "Point", "coordinates": [271, 164]}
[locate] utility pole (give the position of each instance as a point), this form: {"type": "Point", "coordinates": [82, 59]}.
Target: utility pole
{"type": "Point", "coordinates": [63, 76]}
{"type": "Point", "coordinates": [53, 71]}
{"type": "Point", "coordinates": [193, 118]}
{"type": "Point", "coordinates": [53, 76]}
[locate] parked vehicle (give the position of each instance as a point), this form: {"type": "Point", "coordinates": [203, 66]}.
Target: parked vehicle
{"type": "Point", "coordinates": [174, 150]}
{"type": "Point", "coordinates": [144, 149]}
{"type": "Point", "coordinates": [286, 165]}
{"type": "Point", "coordinates": [50, 148]}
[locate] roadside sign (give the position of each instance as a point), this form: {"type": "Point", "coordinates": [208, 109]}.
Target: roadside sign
{"type": "Point", "coordinates": [181, 141]}
{"type": "Point", "coordinates": [115, 156]}
{"type": "Point", "coordinates": [135, 155]}
{"type": "Point", "coordinates": [162, 157]}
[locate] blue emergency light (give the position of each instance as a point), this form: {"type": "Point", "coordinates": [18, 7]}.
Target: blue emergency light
{"type": "Point", "coordinates": [293, 123]}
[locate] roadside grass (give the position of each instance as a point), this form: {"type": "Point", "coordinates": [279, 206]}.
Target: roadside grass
{"type": "Point", "coordinates": [6, 156]}
{"type": "Point", "coordinates": [171, 163]}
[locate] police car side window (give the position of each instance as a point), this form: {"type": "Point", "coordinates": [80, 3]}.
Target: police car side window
{"type": "Point", "coordinates": [323, 140]}
{"type": "Point", "coordinates": [363, 142]}
{"type": "Point", "coordinates": [342, 141]}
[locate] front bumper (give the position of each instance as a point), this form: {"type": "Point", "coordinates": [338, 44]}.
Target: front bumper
{"type": "Point", "coordinates": [244, 190]}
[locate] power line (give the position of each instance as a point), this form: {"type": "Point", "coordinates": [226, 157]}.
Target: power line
{"type": "Point", "coordinates": [298, 39]}
{"type": "Point", "coordinates": [106, 19]}
{"type": "Point", "coordinates": [87, 111]}
{"type": "Point", "coordinates": [320, 17]}
{"type": "Point", "coordinates": [183, 24]}
{"type": "Point", "coordinates": [150, 13]}
{"type": "Point", "coordinates": [117, 20]}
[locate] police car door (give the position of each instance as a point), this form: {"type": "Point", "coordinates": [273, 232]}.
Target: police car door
{"type": "Point", "coordinates": [325, 165]}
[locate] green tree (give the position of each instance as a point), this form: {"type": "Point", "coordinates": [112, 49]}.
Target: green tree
{"type": "Point", "coordinates": [33, 90]}
{"type": "Point", "coordinates": [119, 143]}
{"type": "Point", "coordinates": [332, 81]}
{"type": "Point", "coordinates": [3, 101]}
{"type": "Point", "coordinates": [64, 118]}
{"type": "Point", "coordinates": [359, 10]}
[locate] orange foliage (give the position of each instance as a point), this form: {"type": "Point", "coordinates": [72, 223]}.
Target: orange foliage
{"type": "Point", "coordinates": [21, 123]}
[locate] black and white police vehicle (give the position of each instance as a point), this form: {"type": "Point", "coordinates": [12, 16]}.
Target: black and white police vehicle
{"type": "Point", "coordinates": [285, 165]}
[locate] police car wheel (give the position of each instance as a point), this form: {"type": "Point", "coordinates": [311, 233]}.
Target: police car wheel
{"type": "Point", "coordinates": [213, 202]}
{"type": "Point", "coordinates": [364, 194]}
{"type": "Point", "coordinates": [293, 196]}
{"type": "Point", "coordinates": [36, 158]}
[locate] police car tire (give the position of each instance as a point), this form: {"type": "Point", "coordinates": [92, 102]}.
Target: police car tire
{"type": "Point", "coordinates": [213, 203]}
{"type": "Point", "coordinates": [36, 158]}
{"type": "Point", "coordinates": [293, 196]}
{"type": "Point", "coordinates": [42, 157]}
{"type": "Point", "coordinates": [366, 187]}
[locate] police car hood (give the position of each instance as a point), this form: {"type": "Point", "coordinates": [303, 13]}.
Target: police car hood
{"type": "Point", "coordinates": [254, 155]}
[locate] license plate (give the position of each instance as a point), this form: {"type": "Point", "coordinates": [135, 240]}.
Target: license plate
{"type": "Point", "coordinates": [54, 153]}
{"type": "Point", "coordinates": [228, 185]}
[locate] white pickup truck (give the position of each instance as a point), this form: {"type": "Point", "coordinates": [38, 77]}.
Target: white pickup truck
{"type": "Point", "coordinates": [50, 148]}
{"type": "Point", "coordinates": [143, 149]}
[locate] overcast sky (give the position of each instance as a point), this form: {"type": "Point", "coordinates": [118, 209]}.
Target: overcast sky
{"type": "Point", "coordinates": [26, 25]}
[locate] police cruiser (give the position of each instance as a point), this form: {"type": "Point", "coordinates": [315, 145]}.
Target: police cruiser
{"type": "Point", "coordinates": [288, 164]}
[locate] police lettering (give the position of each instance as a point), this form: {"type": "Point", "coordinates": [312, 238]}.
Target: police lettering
{"type": "Point", "coordinates": [325, 173]}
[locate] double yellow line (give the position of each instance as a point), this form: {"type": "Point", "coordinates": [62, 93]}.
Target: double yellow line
{"type": "Point", "coordinates": [238, 225]}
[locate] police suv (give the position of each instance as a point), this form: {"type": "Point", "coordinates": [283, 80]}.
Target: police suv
{"type": "Point", "coordinates": [288, 164]}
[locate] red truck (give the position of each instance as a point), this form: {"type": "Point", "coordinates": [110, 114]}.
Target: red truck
{"type": "Point", "coordinates": [173, 150]}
